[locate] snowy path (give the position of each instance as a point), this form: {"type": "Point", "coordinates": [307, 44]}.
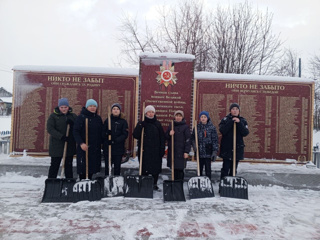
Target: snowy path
{"type": "Point", "coordinates": [270, 213]}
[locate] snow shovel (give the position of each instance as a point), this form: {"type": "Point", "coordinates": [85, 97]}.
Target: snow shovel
{"type": "Point", "coordinates": [87, 189]}
{"type": "Point", "coordinates": [234, 187]}
{"type": "Point", "coordinates": [139, 186]}
{"type": "Point", "coordinates": [200, 186]}
{"type": "Point", "coordinates": [173, 190]}
{"type": "Point", "coordinates": [113, 185]}
{"type": "Point", "coordinates": [59, 190]}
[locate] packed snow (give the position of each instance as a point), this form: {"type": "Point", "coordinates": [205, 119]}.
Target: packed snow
{"type": "Point", "coordinates": [272, 212]}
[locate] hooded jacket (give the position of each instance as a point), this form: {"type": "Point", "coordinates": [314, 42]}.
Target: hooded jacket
{"type": "Point", "coordinates": [57, 128]}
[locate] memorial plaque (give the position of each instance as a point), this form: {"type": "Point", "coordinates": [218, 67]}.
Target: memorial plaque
{"type": "Point", "coordinates": [166, 83]}
{"type": "Point", "coordinates": [36, 94]}
{"type": "Point", "coordinates": [279, 113]}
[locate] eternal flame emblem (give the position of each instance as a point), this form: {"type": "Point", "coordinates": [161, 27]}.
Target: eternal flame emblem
{"type": "Point", "coordinates": [167, 75]}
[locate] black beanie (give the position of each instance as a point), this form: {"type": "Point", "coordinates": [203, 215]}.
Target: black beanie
{"type": "Point", "coordinates": [116, 105]}
{"type": "Point", "coordinates": [234, 105]}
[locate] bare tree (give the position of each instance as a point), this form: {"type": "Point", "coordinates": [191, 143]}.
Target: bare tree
{"type": "Point", "coordinates": [242, 40]}
{"type": "Point", "coordinates": [180, 30]}
{"type": "Point", "coordinates": [233, 40]}
{"type": "Point", "coordinates": [286, 65]}
{"type": "Point", "coordinates": [314, 65]}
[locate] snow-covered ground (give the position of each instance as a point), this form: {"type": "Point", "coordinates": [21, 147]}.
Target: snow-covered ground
{"type": "Point", "coordinates": [272, 212]}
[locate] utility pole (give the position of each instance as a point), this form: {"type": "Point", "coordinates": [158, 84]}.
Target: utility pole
{"type": "Point", "coordinates": [299, 67]}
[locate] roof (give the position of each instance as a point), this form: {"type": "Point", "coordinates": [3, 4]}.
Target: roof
{"type": "Point", "coordinates": [6, 99]}
{"type": "Point", "coordinates": [72, 69]}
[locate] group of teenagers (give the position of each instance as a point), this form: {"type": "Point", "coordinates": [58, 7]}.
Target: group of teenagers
{"type": "Point", "coordinates": [154, 140]}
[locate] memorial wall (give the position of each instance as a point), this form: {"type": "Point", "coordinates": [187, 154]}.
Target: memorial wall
{"type": "Point", "coordinates": [36, 94]}
{"type": "Point", "coordinates": [279, 110]}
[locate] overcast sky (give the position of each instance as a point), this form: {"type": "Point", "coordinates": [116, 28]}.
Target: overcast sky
{"type": "Point", "coordinates": [84, 32]}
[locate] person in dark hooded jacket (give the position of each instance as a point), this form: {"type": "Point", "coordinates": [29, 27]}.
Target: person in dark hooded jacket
{"type": "Point", "coordinates": [153, 144]}
{"type": "Point", "coordinates": [94, 139]}
{"type": "Point", "coordinates": [182, 144]}
{"type": "Point", "coordinates": [119, 134]}
{"type": "Point", "coordinates": [57, 128]}
{"type": "Point", "coordinates": [226, 148]}
{"type": "Point", "coordinates": [207, 143]}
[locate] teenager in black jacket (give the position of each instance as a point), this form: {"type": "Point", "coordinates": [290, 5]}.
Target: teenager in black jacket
{"type": "Point", "coordinates": [182, 144]}
{"type": "Point", "coordinates": [226, 147]}
{"type": "Point", "coordinates": [119, 134]}
{"type": "Point", "coordinates": [153, 144]}
{"type": "Point", "coordinates": [94, 138]}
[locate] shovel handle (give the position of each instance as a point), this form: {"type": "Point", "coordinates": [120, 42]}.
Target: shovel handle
{"type": "Point", "coordinates": [87, 152]}
{"type": "Point", "coordinates": [141, 144]}
{"type": "Point", "coordinates": [109, 138]}
{"type": "Point", "coordinates": [196, 137]}
{"type": "Point", "coordinates": [172, 152]}
{"type": "Point", "coordinates": [234, 148]}
{"type": "Point", "coordinates": [65, 153]}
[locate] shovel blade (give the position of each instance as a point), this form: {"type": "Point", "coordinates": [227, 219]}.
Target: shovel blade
{"type": "Point", "coordinates": [173, 191]}
{"type": "Point", "coordinates": [200, 187]}
{"type": "Point", "coordinates": [87, 190]}
{"type": "Point", "coordinates": [114, 186]}
{"type": "Point", "coordinates": [234, 187]}
{"type": "Point", "coordinates": [139, 187]}
{"type": "Point", "coordinates": [58, 190]}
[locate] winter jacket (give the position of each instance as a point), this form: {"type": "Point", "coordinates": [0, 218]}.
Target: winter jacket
{"type": "Point", "coordinates": [182, 144]}
{"type": "Point", "coordinates": [153, 145]}
{"type": "Point", "coordinates": [226, 129]}
{"type": "Point", "coordinates": [119, 134]}
{"type": "Point", "coordinates": [207, 139]}
{"type": "Point", "coordinates": [94, 139]}
{"type": "Point", "coordinates": [57, 128]}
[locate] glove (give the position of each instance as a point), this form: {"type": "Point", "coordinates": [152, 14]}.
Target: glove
{"type": "Point", "coordinates": [110, 142]}
{"type": "Point", "coordinates": [109, 132]}
{"type": "Point", "coordinates": [213, 156]}
{"type": "Point", "coordinates": [142, 124]}
{"type": "Point", "coordinates": [64, 138]}
{"type": "Point", "coordinates": [70, 122]}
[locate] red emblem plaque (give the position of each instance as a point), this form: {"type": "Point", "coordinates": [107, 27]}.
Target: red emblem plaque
{"type": "Point", "coordinates": [167, 75]}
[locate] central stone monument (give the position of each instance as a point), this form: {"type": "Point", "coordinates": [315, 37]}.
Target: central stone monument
{"type": "Point", "coordinates": [166, 82]}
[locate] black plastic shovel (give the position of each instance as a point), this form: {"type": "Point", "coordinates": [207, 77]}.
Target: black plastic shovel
{"type": "Point", "coordinates": [173, 190]}
{"type": "Point", "coordinates": [139, 186]}
{"type": "Point", "coordinates": [113, 185]}
{"type": "Point", "coordinates": [59, 189]}
{"type": "Point", "coordinates": [234, 187]}
{"type": "Point", "coordinates": [87, 189]}
{"type": "Point", "coordinates": [200, 186]}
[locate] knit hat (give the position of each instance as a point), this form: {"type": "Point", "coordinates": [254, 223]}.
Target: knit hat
{"type": "Point", "coordinates": [63, 102]}
{"type": "Point", "coordinates": [149, 108]}
{"type": "Point", "coordinates": [179, 112]}
{"type": "Point", "coordinates": [91, 102]}
{"type": "Point", "coordinates": [204, 113]}
{"type": "Point", "coordinates": [234, 105]}
{"type": "Point", "coordinates": [116, 105]}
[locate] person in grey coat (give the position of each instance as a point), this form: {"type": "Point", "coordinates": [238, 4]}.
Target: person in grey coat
{"type": "Point", "coordinates": [182, 144]}
{"type": "Point", "coordinates": [207, 143]}
{"type": "Point", "coordinates": [57, 127]}
{"type": "Point", "coordinates": [226, 148]}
